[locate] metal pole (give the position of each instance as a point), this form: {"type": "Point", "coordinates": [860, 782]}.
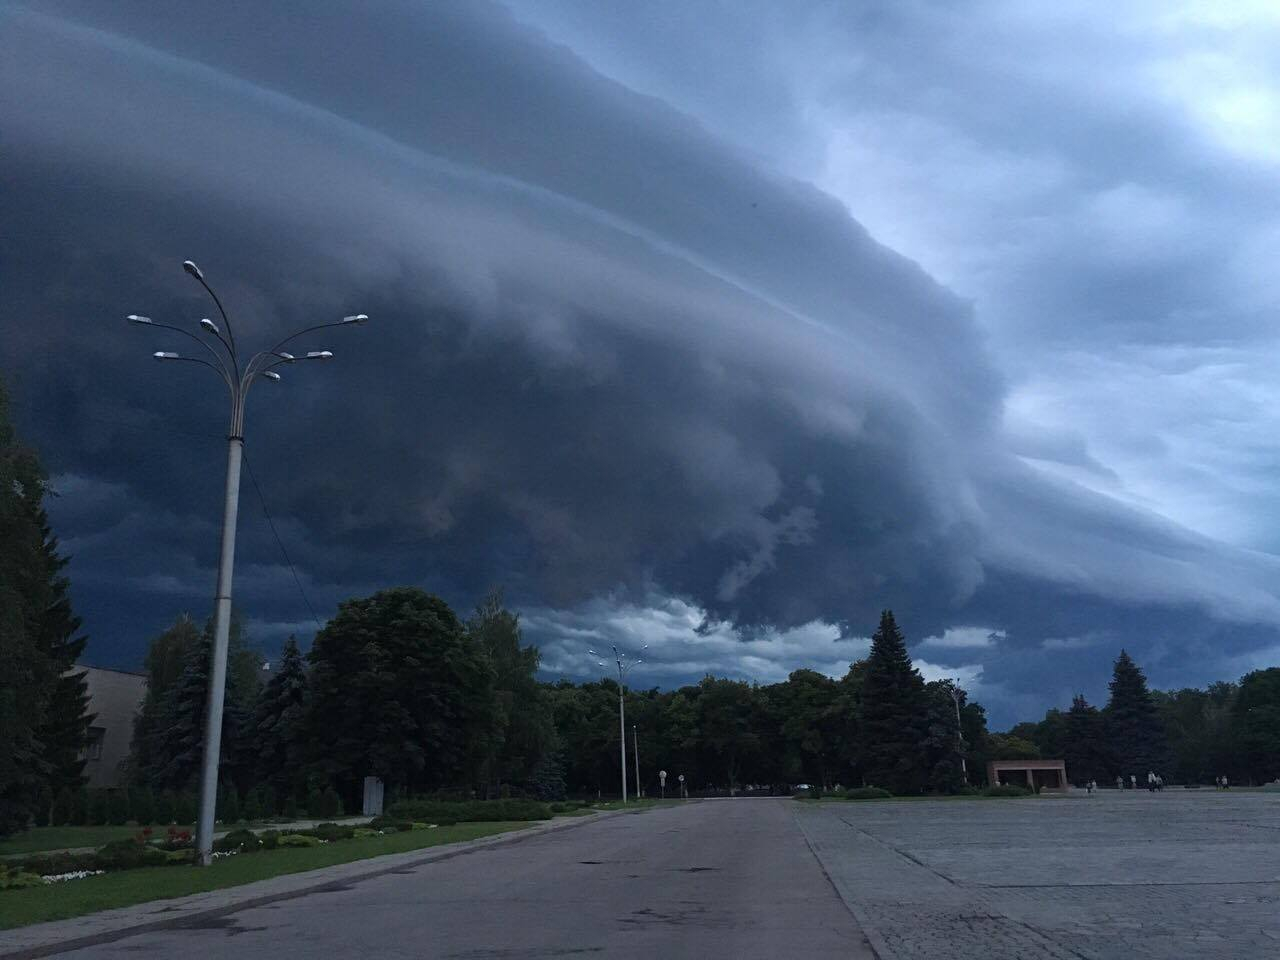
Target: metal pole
{"type": "Point", "coordinates": [635, 756]}
{"type": "Point", "coordinates": [218, 658]}
{"type": "Point", "coordinates": [964, 767]}
{"type": "Point", "coordinates": [622, 729]}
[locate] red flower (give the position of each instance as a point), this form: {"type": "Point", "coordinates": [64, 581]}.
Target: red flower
{"type": "Point", "coordinates": [146, 831]}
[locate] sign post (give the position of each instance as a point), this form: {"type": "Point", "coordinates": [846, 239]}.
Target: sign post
{"type": "Point", "coordinates": [662, 783]}
{"type": "Point", "coordinates": [683, 794]}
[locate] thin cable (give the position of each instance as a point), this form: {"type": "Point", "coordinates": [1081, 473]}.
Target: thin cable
{"type": "Point", "coordinates": [283, 552]}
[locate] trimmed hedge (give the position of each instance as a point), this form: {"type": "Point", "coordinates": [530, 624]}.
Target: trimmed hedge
{"type": "Point", "coordinates": [1007, 790]}
{"type": "Point", "coordinates": [469, 811]}
{"type": "Point", "coordinates": [866, 793]}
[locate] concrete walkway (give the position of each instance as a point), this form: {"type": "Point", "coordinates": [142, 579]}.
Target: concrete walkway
{"type": "Point", "coordinates": [46, 939]}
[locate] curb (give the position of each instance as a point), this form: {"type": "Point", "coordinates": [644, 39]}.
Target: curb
{"type": "Point", "coordinates": [378, 866]}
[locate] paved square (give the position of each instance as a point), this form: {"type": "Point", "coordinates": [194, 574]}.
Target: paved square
{"type": "Point", "coordinates": [1192, 873]}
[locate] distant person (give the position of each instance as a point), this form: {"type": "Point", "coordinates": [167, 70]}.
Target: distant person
{"type": "Point", "coordinates": [1119, 782]}
{"type": "Point", "coordinates": [1088, 786]}
{"type": "Point", "coordinates": [1217, 782]}
{"type": "Point", "coordinates": [1133, 781]}
{"type": "Point", "coordinates": [1151, 782]}
{"type": "Point", "coordinates": [1225, 785]}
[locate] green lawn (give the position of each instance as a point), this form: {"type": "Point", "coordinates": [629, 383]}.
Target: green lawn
{"type": "Point", "coordinates": [75, 898]}
{"type": "Point", "coordinates": [648, 803]}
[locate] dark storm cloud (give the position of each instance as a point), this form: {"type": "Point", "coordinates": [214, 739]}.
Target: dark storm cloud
{"type": "Point", "coordinates": [614, 360]}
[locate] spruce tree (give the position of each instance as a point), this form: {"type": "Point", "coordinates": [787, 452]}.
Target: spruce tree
{"type": "Point", "coordinates": [279, 726]}
{"type": "Point", "coordinates": [165, 663]}
{"type": "Point", "coordinates": [42, 723]}
{"type": "Point", "coordinates": [894, 711]}
{"type": "Point", "coordinates": [1084, 746]}
{"type": "Point", "coordinates": [1135, 735]}
{"type": "Point", "coordinates": [64, 731]}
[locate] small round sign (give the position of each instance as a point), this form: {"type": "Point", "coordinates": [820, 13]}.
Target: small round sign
{"type": "Point", "coordinates": [682, 778]}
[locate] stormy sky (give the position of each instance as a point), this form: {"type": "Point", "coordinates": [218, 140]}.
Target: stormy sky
{"type": "Point", "coordinates": [713, 326]}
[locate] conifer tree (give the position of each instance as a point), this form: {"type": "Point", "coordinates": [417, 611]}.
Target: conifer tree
{"type": "Point", "coordinates": [894, 711]}
{"type": "Point", "coordinates": [1135, 734]}
{"type": "Point", "coordinates": [279, 726]}
{"type": "Point", "coordinates": [1084, 747]}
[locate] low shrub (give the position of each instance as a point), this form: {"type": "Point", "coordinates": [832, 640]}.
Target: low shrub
{"type": "Point", "coordinates": [1006, 790]}
{"type": "Point", "coordinates": [64, 808]}
{"type": "Point", "coordinates": [470, 811]}
{"type": "Point", "coordinates": [269, 838]}
{"type": "Point", "coordinates": [245, 841]}
{"type": "Point", "coordinates": [867, 793]}
{"type": "Point", "coordinates": [297, 840]}
{"type": "Point", "coordinates": [165, 807]}
{"type": "Point", "coordinates": [361, 832]}
{"type": "Point", "coordinates": [422, 826]}
{"type": "Point", "coordinates": [11, 879]}
{"type": "Point", "coordinates": [117, 807]}
{"type": "Point", "coordinates": [386, 823]}
{"type": "Point", "coordinates": [127, 855]}
{"type": "Point", "coordinates": [44, 864]}
{"type": "Point", "coordinates": [185, 855]}
{"type": "Point", "coordinates": [331, 831]}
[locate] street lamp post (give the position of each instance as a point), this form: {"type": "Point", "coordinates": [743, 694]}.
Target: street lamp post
{"type": "Point", "coordinates": [635, 756]}
{"type": "Point", "coordinates": [625, 662]}
{"type": "Point", "coordinates": [226, 363]}
{"type": "Point", "coordinates": [956, 694]}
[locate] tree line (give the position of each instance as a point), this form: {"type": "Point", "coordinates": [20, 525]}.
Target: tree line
{"type": "Point", "coordinates": [397, 686]}
{"type": "Point", "coordinates": [1186, 736]}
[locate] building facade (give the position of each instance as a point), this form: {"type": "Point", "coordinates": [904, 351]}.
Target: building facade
{"type": "Point", "coordinates": [115, 698]}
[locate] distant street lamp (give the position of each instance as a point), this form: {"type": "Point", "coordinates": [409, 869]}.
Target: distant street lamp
{"type": "Point", "coordinates": [226, 363]}
{"type": "Point", "coordinates": [635, 756]}
{"type": "Point", "coordinates": [956, 694]}
{"type": "Point", "coordinates": [625, 662]}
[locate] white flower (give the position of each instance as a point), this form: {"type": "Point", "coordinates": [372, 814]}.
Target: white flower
{"type": "Point", "coordinates": [73, 875]}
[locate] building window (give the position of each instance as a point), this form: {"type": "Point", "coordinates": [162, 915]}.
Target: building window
{"type": "Point", "coordinates": [93, 750]}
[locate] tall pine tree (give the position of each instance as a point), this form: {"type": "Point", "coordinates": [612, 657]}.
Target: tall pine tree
{"type": "Point", "coordinates": [1135, 733]}
{"type": "Point", "coordinates": [894, 711]}
{"type": "Point", "coordinates": [43, 726]}
{"type": "Point", "coordinates": [1084, 746]}
{"type": "Point", "coordinates": [279, 726]}
{"type": "Point", "coordinates": [166, 660]}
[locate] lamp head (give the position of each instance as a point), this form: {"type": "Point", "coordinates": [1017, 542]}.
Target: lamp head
{"type": "Point", "coordinates": [359, 318]}
{"type": "Point", "coordinates": [320, 355]}
{"type": "Point", "coordinates": [207, 324]}
{"type": "Point", "coordinates": [191, 268]}
{"type": "Point", "coordinates": [285, 356]}
{"type": "Point", "coordinates": [271, 375]}
{"type": "Point", "coordinates": [165, 355]}
{"type": "Point", "coordinates": [134, 318]}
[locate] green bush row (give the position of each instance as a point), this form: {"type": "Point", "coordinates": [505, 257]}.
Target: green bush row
{"type": "Point", "coordinates": [1007, 790]}
{"type": "Point", "coordinates": [469, 811]}
{"type": "Point", "coordinates": [143, 806]}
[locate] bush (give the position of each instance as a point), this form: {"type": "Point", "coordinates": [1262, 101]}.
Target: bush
{"type": "Point", "coordinates": [128, 854]}
{"type": "Point", "coordinates": [867, 793]}
{"type": "Point", "coordinates": [269, 838]}
{"type": "Point", "coordinates": [184, 809]}
{"type": "Point", "coordinates": [228, 805]}
{"type": "Point", "coordinates": [43, 864]}
{"type": "Point", "coordinates": [1006, 790]}
{"type": "Point", "coordinates": [361, 832]}
{"type": "Point", "coordinates": [142, 804]}
{"type": "Point", "coordinates": [290, 808]}
{"type": "Point", "coordinates": [11, 879]}
{"type": "Point", "coordinates": [470, 811]}
{"type": "Point", "coordinates": [183, 855]}
{"type": "Point", "coordinates": [330, 804]}
{"type": "Point", "coordinates": [246, 841]}
{"type": "Point", "coordinates": [117, 807]}
{"type": "Point", "coordinates": [43, 807]}
{"type": "Point", "coordinates": [297, 840]}
{"type": "Point", "coordinates": [389, 823]}
{"type": "Point", "coordinates": [80, 812]}
{"type": "Point", "coordinates": [331, 831]}
{"type": "Point", "coordinates": [64, 808]}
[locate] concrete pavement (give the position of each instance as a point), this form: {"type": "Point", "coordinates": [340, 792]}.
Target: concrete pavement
{"type": "Point", "coordinates": [725, 879]}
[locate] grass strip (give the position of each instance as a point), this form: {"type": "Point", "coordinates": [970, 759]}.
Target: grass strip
{"type": "Point", "coordinates": [75, 898]}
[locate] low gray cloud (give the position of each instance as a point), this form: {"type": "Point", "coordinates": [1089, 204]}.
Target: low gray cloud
{"type": "Point", "coordinates": [619, 360]}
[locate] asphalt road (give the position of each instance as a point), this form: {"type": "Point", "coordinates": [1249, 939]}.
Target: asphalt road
{"type": "Point", "coordinates": [724, 879]}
